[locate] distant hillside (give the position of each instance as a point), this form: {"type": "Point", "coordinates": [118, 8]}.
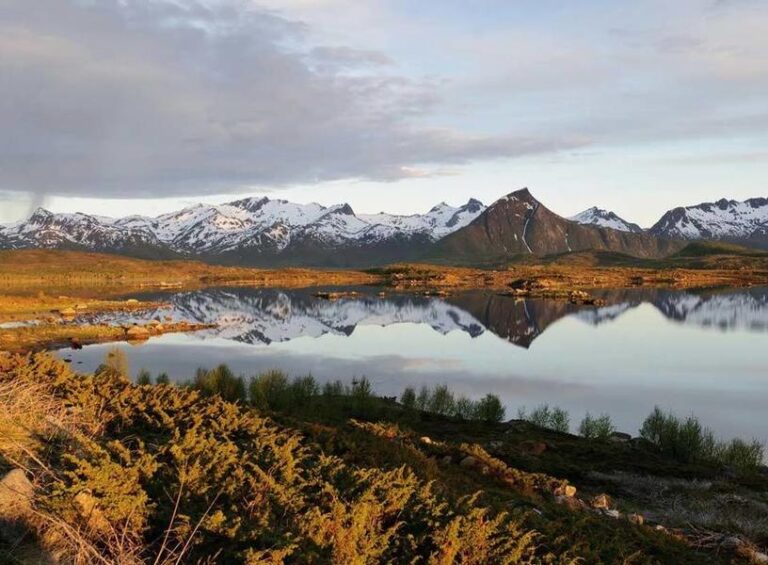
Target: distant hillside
{"type": "Point", "coordinates": [519, 225]}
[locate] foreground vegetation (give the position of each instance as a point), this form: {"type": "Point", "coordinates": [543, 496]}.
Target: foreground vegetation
{"type": "Point", "coordinates": [287, 470]}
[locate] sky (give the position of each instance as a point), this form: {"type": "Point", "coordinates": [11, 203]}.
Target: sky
{"type": "Point", "coordinates": [122, 107]}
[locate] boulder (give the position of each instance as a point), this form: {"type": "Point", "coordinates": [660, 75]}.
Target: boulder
{"type": "Point", "coordinates": [131, 301]}
{"type": "Point", "coordinates": [620, 437]}
{"type": "Point", "coordinates": [759, 557]}
{"type": "Point", "coordinates": [636, 519]}
{"type": "Point", "coordinates": [426, 440]}
{"type": "Point", "coordinates": [16, 493]}
{"type": "Point", "coordinates": [81, 306]}
{"type": "Point", "coordinates": [601, 501]}
{"type": "Point", "coordinates": [565, 490]}
{"type": "Point", "coordinates": [615, 514]}
{"type": "Point", "coordinates": [447, 460]}
{"type": "Point", "coordinates": [137, 332]}
{"type": "Point", "coordinates": [68, 312]}
{"type": "Point", "coordinates": [468, 462]}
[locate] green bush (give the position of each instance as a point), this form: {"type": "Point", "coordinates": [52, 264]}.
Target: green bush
{"type": "Point", "coordinates": [333, 388]}
{"type": "Point", "coordinates": [220, 381]}
{"type": "Point", "coordinates": [408, 398]}
{"type": "Point", "coordinates": [422, 400]}
{"type": "Point", "coordinates": [490, 409]}
{"type": "Point", "coordinates": [599, 428]}
{"type": "Point", "coordinates": [163, 379]}
{"type": "Point", "coordinates": [688, 441]}
{"type": "Point", "coordinates": [143, 378]}
{"type": "Point", "coordinates": [543, 416]}
{"type": "Point", "coordinates": [441, 401]}
{"type": "Point", "coordinates": [269, 391]}
{"type": "Point", "coordinates": [465, 408]}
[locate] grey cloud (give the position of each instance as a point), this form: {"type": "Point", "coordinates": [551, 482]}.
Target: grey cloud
{"type": "Point", "coordinates": [162, 98]}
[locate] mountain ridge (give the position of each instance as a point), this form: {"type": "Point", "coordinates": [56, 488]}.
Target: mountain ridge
{"type": "Point", "coordinates": [260, 231]}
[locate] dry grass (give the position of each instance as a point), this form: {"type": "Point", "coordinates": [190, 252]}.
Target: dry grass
{"type": "Point", "coordinates": [38, 268]}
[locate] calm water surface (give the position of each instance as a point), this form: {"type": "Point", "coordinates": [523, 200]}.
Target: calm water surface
{"type": "Point", "coordinates": [691, 352]}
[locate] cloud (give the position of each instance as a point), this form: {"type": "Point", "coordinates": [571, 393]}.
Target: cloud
{"type": "Point", "coordinates": [156, 97]}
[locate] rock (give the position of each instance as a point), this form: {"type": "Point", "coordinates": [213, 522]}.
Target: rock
{"type": "Point", "coordinates": [81, 306]}
{"type": "Point", "coordinates": [16, 493]}
{"type": "Point", "coordinates": [620, 437]}
{"type": "Point", "coordinates": [485, 470]}
{"type": "Point", "coordinates": [660, 528]}
{"type": "Point", "coordinates": [74, 343]}
{"type": "Point", "coordinates": [758, 557]}
{"type": "Point", "coordinates": [426, 440]}
{"type": "Point", "coordinates": [155, 322]}
{"type": "Point", "coordinates": [636, 519]}
{"type": "Point", "coordinates": [131, 301]}
{"type": "Point", "coordinates": [68, 312]}
{"type": "Point", "coordinates": [447, 459]}
{"type": "Point", "coordinates": [578, 296]}
{"type": "Point", "coordinates": [615, 514]}
{"type": "Point", "coordinates": [533, 447]}
{"type": "Point", "coordinates": [569, 502]}
{"type": "Point", "coordinates": [566, 490]}
{"type": "Point", "coordinates": [137, 332]}
{"type": "Point", "coordinates": [602, 501]}
{"type": "Point", "coordinates": [496, 444]}
{"type": "Point", "coordinates": [468, 462]}
{"type": "Point", "coordinates": [731, 542]}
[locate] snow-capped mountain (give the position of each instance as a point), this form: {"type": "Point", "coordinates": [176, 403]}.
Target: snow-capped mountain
{"type": "Point", "coordinates": [727, 220]}
{"type": "Point", "coordinates": [243, 230]}
{"type": "Point", "coordinates": [605, 219]}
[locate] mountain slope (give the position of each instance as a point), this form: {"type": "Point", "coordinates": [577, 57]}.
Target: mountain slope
{"type": "Point", "coordinates": [518, 224]}
{"type": "Point", "coordinates": [725, 220]}
{"type": "Point", "coordinates": [604, 219]}
{"type": "Point", "coordinates": [249, 231]}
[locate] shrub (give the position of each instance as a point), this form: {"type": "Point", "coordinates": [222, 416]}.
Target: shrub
{"type": "Point", "coordinates": [220, 381]}
{"type": "Point", "coordinates": [143, 378]}
{"type": "Point", "coordinates": [301, 390]}
{"type": "Point", "coordinates": [465, 408]}
{"type": "Point", "coordinates": [689, 441]}
{"type": "Point", "coordinates": [408, 398]}
{"type": "Point", "coordinates": [422, 400]}
{"type": "Point", "coordinates": [543, 416]}
{"type": "Point", "coordinates": [333, 388]}
{"type": "Point", "coordinates": [490, 409]}
{"type": "Point", "coordinates": [441, 401]}
{"type": "Point", "coordinates": [599, 428]}
{"type": "Point", "coordinates": [268, 391]}
{"type": "Point", "coordinates": [163, 379]}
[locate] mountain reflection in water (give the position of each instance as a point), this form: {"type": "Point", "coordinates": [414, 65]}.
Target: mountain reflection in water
{"type": "Point", "coordinates": [272, 315]}
{"type": "Point", "coordinates": [690, 352]}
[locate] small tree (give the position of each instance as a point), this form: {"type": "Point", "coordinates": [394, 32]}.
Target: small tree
{"type": "Point", "coordinates": [422, 400]}
{"type": "Point", "coordinates": [599, 428]}
{"type": "Point", "coordinates": [490, 409]}
{"type": "Point", "coordinates": [408, 398]}
{"type": "Point", "coordinates": [163, 379]}
{"type": "Point", "coordinates": [143, 378]}
{"type": "Point", "coordinates": [441, 401]}
{"type": "Point", "coordinates": [268, 391]}
{"type": "Point", "coordinates": [465, 408]}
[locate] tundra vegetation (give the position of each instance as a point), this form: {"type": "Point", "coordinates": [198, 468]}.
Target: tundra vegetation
{"type": "Point", "coordinates": [271, 469]}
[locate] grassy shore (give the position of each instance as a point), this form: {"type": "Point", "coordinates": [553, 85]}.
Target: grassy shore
{"type": "Point", "coordinates": [109, 471]}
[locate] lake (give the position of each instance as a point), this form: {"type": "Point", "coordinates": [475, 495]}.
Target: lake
{"type": "Point", "coordinates": [701, 352]}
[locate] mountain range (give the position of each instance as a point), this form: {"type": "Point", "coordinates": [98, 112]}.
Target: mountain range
{"type": "Point", "coordinates": [267, 232]}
